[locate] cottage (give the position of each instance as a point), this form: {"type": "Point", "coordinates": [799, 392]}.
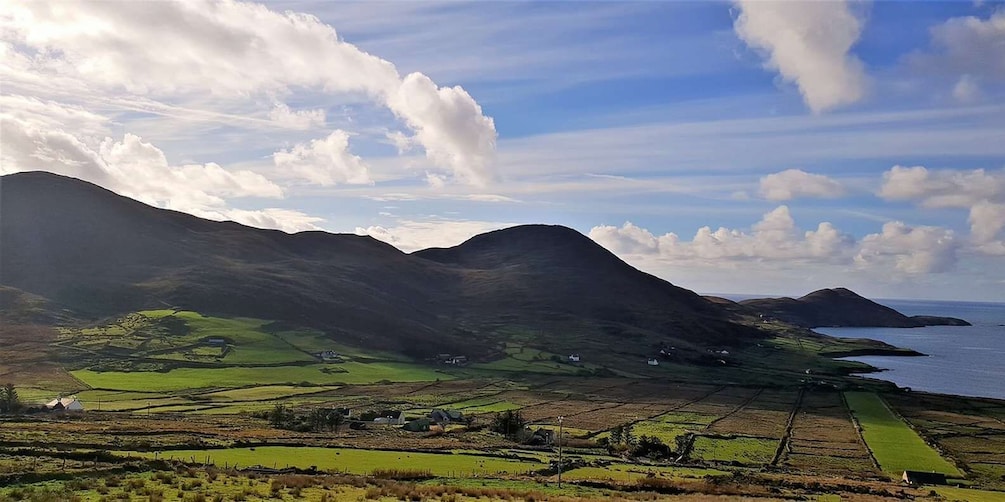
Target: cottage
{"type": "Point", "coordinates": [915, 478]}
{"type": "Point", "coordinates": [446, 416]}
{"type": "Point", "coordinates": [216, 341]}
{"type": "Point", "coordinates": [65, 404]}
{"type": "Point", "coordinates": [574, 358]}
{"type": "Point", "coordinates": [458, 360]}
{"type": "Point", "coordinates": [653, 361]}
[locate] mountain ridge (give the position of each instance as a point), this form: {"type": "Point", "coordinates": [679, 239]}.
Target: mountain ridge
{"type": "Point", "coordinates": [78, 245]}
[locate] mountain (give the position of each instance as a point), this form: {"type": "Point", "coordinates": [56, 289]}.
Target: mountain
{"type": "Point", "coordinates": [98, 254]}
{"type": "Point", "coordinates": [841, 307]}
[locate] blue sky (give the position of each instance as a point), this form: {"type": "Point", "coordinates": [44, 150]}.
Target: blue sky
{"type": "Point", "coordinates": [823, 144]}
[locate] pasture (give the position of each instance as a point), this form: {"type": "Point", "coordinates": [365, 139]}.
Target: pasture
{"type": "Point", "coordinates": [355, 461]}
{"type": "Point", "coordinates": [894, 445]}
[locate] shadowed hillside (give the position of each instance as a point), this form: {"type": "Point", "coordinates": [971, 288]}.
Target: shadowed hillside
{"type": "Point", "coordinates": [100, 254]}
{"type": "Point", "coordinates": [841, 307]}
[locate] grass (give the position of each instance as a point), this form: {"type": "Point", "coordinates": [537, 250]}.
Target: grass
{"type": "Point", "coordinates": [629, 472]}
{"type": "Point", "coordinates": [740, 449]}
{"type": "Point", "coordinates": [520, 358]}
{"type": "Point", "coordinates": [264, 392]}
{"type": "Point", "coordinates": [200, 378]}
{"type": "Point", "coordinates": [968, 495]}
{"type": "Point", "coordinates": [355, 461]}
{"type": "Point", "coordinates": [896, 446]}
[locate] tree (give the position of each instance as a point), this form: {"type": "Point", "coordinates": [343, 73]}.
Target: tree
{"type": "Point", "coordinates": [627, 436]}
{"type": "Point", "coordinates": [509, 423]}
{"type": "Point", "coordinates": [9, 400]}
{"type": "Point", "coordinates": [279, 417]}
{"type": "Point", "coordinates": [335, 420]}
{"type": "Point", "coordinates": [616, 435]}
{"type": "Point", "coordinates": [318, 419]}
{"type": "Point", "coordinates": [651, 446]}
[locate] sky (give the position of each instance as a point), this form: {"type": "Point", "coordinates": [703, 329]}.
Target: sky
{"type": "Point", "coordinates": [745, 147]}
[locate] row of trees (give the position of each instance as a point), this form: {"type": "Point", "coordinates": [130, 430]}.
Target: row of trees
{"type": "Point", "coordinates": [316, 419]}
{"type": "Point", "coordinates": [622, 440]}
{"type": "Point", "coordinates": [9, 400]}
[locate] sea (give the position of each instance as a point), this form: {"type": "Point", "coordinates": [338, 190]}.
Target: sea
{"type": "Point", "coordinates": [961, 360]}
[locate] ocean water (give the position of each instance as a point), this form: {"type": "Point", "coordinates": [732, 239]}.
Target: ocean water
{"type": "Point", "coordinates": [962, 360]}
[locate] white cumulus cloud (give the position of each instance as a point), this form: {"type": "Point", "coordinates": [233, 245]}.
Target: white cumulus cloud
{"type": "Point", "coordinates": [897, 250]}
{"type": "Point", "coordinates": [774, 238]}
{"type": "Point", "coordinates": [325, 161]}
{"type": "Point", "coordinates": [229, 49]}
{"type": "Point", "coordinates": [796, 183]}
{"type": "Point", "coordinates": [808, 43]}
{"type": "Point", "coordinates": [943, 188]}
{"type": "Point", "coordinates": [981, 191]}
{"type": "Point", "coordinates": [967, 46]}
{"type": "Point", "coordinates": [912, 250]}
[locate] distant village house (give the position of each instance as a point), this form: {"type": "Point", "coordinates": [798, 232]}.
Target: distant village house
{"type": "Point", "coordinates": [65, 404]}
{"type": "Point", "coordinates": [452, 359]}
{"type": "Point", "coordinates": [446, 416]}
{"type": "Point", "coordinates": [329, 356]}
{"type": "Point", "coordinates": [574, 358]}
{"type": "Point", "coordinates": [392, 419]}
{"type": "Point", "coordinates": [653, 361]}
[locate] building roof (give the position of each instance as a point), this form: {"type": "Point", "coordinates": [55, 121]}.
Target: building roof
{"type": "Point", "coordinates": [922, 477]}
{"type": "Point", "coordinates": [64, 403]}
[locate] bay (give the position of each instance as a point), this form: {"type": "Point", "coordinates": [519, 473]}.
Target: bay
{"type": "Point", "coordinates": [961, 360]}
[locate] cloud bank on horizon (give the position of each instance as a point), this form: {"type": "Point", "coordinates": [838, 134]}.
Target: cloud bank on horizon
{"type": "Point", "coordinates": [808, 144]}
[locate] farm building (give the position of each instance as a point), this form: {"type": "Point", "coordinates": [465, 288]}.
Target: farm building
{"type": "Point", "coordinates": [653, 361]}
{"type": "Point", "coordinates": [420, 425]}
{"type": "Point", "coordinates": [65, 404]}
{"type": "Point", "coordinates": [923, 478]}
{"type": "Point", "coordinates": [450, 359]}
{"type": "Point", "coordinates": [446, 416]}
{"type": "Point", "coordinates": [216, 341]}
{"type": "Point", "coordinates": [329, 355]}
{"type": "Point", "coordinates": [574, 358]}
{"type": "Point", "coordinates": [393, 419]}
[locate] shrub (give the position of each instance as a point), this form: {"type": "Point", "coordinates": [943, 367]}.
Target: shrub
{"type": "Point", "coordinates": [402, 474]}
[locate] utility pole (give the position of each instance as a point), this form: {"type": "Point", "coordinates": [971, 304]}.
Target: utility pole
{"type": "Point", "coordinates": [560, 419]}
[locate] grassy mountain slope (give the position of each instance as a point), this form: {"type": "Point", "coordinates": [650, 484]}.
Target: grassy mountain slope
{"type": "Point", "coordinates": [100, 254]}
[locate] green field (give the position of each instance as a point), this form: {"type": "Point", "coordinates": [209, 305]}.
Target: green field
{"type": "Point", "coordinates": [355, 461]}
{"type": "Point", "coordinates": [895, 446]}
{"type": "Point", "coordinates": [629, 472]}
{"type": "Point", "coordinates": [201, 378]}
{"type": "Point", "coordinates": [744, 450]}
{"type": "Point", "coordinates": [968, 495]}
{"type": "Point", "coordinates": [264, 392]}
